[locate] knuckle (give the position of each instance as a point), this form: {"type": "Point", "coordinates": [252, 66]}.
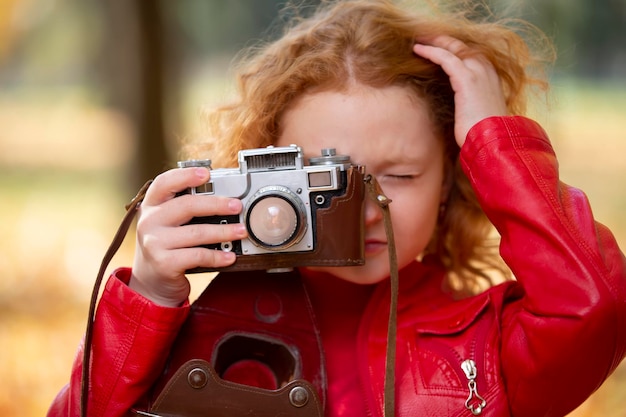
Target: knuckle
{"type": "Point", "coordinates": [143, 222]}
{"type": "Point", "coordinates": [149, 242]}
{"type": "Point", "coordinates": [184, 203]}
{"type": "Point", "coordinates": [163, 261]}
{"type": "Point", "coordinates": [159, 182]}
{"type": "Point", "coordinates": [227, 233]}
{"type": "Point", "coordinates": [211, 258]}
{"type": "Point", "coordinates": [209, 234]}
{"type": "Point", "coordinates": [152, 251]}
{"type": "Point", "coordinates": [146, 225]}
{"type": "Point", "coordinates": [201, 257]}
{"type": "Point", "coordinates": [192, 257]}
{"type": "Point", "coordinates": [198, 234]}
{"type": "Point", "coordinates": [209, 205]}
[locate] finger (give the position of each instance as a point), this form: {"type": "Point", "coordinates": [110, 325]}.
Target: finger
{"type": "Point", "coordinates": [448, 61]}
{"type": "Point", "coordinates": [449, 43]}
{"type": "Point", "coordinates": [196, 257]}
{"type": "Point", "coordinates": [181, 260]}
{"type": "Point", "coordinates": [210, 258]}
{"type": "Point", "coordinates": [434, 53]}
{"type": "Point", "coordinates": [192, 235]}
{"type": "Point", "coordinates": [166, 185]}
{"type": "Point", "coordinates": [182, 209]}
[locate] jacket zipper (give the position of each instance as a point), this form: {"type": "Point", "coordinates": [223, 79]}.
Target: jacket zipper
{"type": "Point", "coordinates": [475, 403]}
{"type": "Point", "coordinates": [466, 369]}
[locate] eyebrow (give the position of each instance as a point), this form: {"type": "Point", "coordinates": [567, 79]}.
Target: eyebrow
{"type": "Point", "coordinates": [404, 160]}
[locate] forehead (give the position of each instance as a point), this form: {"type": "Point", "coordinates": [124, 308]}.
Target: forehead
{"type": "Point", "coordinates": [363, 122]}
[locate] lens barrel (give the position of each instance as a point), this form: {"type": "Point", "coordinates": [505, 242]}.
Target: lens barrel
{"type": "Point", "coordinates": [275, 218]}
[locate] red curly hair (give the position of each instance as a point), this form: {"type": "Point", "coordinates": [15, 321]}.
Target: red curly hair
{"type": "Point", "coordinates": [369, 42]}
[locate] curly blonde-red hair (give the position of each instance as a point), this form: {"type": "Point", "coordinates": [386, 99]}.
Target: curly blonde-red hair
{"type": "Point", "coordinates": [369, 42]}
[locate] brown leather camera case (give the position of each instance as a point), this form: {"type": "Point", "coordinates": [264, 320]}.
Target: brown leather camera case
{"type": "Point", "coordinates": [257, 306]}
{"type": "Point", "coordinates": [340, 234]}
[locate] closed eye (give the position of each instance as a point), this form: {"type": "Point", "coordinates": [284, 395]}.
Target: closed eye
{"type": "Point", "coordinates": [397, 180]}
{"type": "Point", "coordinates": [403, 177]}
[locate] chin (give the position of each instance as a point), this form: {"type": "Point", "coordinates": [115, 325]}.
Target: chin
{"type": "Point", "coordinates": [367, 274]}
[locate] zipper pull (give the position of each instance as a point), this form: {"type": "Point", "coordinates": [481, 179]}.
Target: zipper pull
{"type": "Point", "coordinates": [475, 403]}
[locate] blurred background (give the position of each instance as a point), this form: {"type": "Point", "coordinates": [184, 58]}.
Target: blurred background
{"type": "Point", "coordinates": [96, 96]}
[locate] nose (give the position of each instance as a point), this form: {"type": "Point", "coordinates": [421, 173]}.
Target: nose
{"type": "Point", "coordinates": [373, 213]}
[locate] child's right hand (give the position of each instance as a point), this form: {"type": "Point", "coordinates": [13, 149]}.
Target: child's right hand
{"type": "Point", "coordinates": [478, 91]}
{"type": "Point", "coordinates": [167, 246]}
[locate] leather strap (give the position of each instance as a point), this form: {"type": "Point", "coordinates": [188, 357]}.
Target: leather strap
{"type": "Point", "coordinates": [131, 210]}
{"type": "Point", "coordinates": [374, 191]}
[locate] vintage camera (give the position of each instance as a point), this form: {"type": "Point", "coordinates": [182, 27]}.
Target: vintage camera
{"type": "Point", "coordinates": [295, 214]}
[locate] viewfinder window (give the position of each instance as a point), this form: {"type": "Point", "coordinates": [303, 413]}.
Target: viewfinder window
{"type": "Point", "coordinates": [206, 188]}
{"type": "Point", "coordinates": [320, 179]}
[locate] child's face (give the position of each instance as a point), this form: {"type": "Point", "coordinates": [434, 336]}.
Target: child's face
{"type": "Point", "coordinates": [390, 132]}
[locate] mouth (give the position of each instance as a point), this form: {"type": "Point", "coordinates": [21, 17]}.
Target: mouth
{"type": "Point", "coordinates": [374, 246]}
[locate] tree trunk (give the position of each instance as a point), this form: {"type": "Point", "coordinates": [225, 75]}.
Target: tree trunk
{"type": "Point", "coordinates": [135, 73]}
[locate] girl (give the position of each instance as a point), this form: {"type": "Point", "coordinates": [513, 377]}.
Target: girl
{"type": "Point", "coordinates": [431, 105]}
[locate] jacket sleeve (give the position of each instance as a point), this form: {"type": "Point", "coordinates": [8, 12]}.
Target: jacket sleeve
{"type": "Point", "coordinates": [567, 333]}
{"type": "Point", "coordinates": [131, 341]}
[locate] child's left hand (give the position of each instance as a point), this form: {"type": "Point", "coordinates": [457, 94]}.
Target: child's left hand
{"type": "Point", "coordinates": [477, 87]}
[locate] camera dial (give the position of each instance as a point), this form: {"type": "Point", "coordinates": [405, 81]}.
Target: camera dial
{"type": "Point", "coordinates": [329, 157]}
{"type": "Point", "coordinates": [195, 163]}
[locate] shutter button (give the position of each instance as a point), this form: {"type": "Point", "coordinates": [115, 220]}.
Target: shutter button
{"type": "Point", "coordinates": [197, 378]}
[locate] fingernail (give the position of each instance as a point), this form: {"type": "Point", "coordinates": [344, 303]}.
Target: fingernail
{"type": "Point", "coordinates": [234, 204]}
{"type": "Point", "coordinates": [201, 172]}
{"type": "Point", "coordinates": [240, 230]}
{"type": "Point", "coordinates": [229, 256]}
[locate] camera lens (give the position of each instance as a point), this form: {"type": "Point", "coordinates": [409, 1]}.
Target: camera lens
{"type": "Point", "coordinates": [273, 221]}
{"type": "Point", "coordinates": [275, 218]}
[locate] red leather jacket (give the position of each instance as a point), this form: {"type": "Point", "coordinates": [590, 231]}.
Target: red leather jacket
{"type": "Point", "coordinates": [541, 345]}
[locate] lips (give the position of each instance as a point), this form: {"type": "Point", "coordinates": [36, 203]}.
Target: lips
{"type": "Point", "coordinates": [374, 246]}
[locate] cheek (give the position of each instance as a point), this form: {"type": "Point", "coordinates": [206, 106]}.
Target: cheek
{"type": "Point", "coordinates": [414, 220]}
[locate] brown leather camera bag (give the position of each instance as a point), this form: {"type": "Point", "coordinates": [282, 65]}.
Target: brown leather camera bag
{"type": "Point", "coordinates": [242, 323]}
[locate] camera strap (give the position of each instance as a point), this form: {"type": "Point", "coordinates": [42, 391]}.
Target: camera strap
{"type": "Point", "coordinates": [375, 193]}
{"type": "Point", "coordinates": [118, 239]}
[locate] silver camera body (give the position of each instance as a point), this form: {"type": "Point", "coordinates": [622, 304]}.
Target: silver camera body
{"type": "Point", "coordinates": [280, 197]}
